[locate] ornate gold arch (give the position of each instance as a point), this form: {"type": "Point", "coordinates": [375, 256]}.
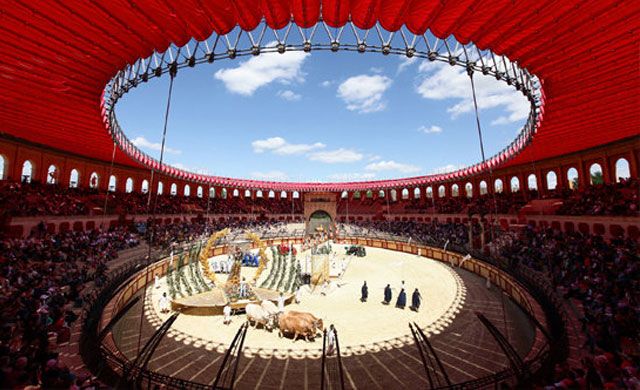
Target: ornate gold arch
{"type": "Point", "coordinates": [204, 254]}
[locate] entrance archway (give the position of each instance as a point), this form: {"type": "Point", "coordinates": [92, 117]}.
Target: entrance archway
{"type": "Point", "coordinates": [319, 220]}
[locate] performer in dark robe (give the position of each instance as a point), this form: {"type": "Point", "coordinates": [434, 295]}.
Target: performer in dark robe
{"type": "Point", "coordinates": [365, 292]}
{"type": "Point", "coordinates": [415, 300]}
{"type": "Point", "coordinates": [402, 299]}
{"type": "Point", "coordinates": [387, 295]}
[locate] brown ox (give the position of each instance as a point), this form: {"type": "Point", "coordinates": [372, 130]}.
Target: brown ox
{"type": "Point", "coordinates": [299, 324]}
{"type": "Point", "coordinates": [316, 321]}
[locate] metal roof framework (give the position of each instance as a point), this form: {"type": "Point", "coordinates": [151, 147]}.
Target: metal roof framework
{"type": "Point", "coordinates": [59, 55]}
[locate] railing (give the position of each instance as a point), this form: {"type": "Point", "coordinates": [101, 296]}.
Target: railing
{"type": "Point", "coordinates": [331, 367]}
{"type": "Point", "coordinates": [536, 285]}
{"type": "Point", "coordinates": [109, 364]}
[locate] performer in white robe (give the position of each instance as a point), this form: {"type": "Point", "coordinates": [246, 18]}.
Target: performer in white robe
{"type": "Point", "coordinates": [331, 341]}
{"type": "Point", "coordinates": [164, 304]}
{"type": "Point", "coordinates": [281, 303]}
{"type": "Point", "coordinates": [156, 281]}
{"type": "Point", "coordinates": [227, 314]}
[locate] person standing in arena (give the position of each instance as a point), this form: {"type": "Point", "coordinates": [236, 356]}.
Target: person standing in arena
{"type": "Point", "coordinates": [415, 300]}
{"type": "Point", "coordinates": [331, 340]}
{"type": "Point", "coordinates": [163, 303]}
{"type": "Point", "coordinates": [227, 314]}
{"type": "Point", "coordinates": [281, 303]}
{"type": "Point", "coordinates": [402, 300]}
{"type": "Point", "coordinates": [365, 292]}
{"type": "Point", "coordinates": [387, 295]}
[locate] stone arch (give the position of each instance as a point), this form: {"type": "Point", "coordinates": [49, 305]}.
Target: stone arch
{"type": "Point", "coordinates": [532, 182]}
{"type": "Point", "coordinates": [552, 180]}
{"type": "Point", "coordinates": [3, 167]}
{"type": "Point", "coordinates": [94, 180]}
{"type": "Point", "coordinates": [623, 170]}
{"type": "Point", "coordinates": [52, 174]}
{"type": "Point", "coordinates": [74, 178]}
{"type": "Point", "coordinates": [572, 178]}
{"type": "Point", "coordinates": [27, 171]}
{"type": "Point", "coordinates": [113, 183]}
{"type": "Point", "coordinates": [468, 188]}
{"type": "Point", "coordinates": [515, 184]}
{"type": "Point", "coordinates": [596, 174]}
{"type": "Point", "coordinates": [455, 190]}
{"type": "Point", "coordinates": [498, 186]}
{"type": "Point", "coordinates": [128, 187]}
{"type": "Point", "coordinates": [483, 188]}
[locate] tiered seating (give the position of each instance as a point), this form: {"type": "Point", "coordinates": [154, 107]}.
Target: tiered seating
{"type": "Point", "coordinates": [35, 199]}
{"type": "Point", "coordinates": [621, 198]}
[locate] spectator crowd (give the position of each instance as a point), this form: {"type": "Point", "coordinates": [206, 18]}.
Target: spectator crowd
{"type": "Point", "coordinates": [42, 282]}
{"type": "Point", "coordinates": [44, 277]}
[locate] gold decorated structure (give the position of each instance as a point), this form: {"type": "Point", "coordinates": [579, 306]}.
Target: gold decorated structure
{"type": "Point", "coordinates": [205, 253]}
{"type": "Point", "coordinates": [234, 276]}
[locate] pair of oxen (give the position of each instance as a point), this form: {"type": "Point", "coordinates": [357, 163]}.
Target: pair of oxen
{"type": "Point", "coordinates": [291, 322]}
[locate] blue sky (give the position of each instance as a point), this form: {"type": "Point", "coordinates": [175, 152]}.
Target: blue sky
{"type": "Point", "coordinates": [322, 117]}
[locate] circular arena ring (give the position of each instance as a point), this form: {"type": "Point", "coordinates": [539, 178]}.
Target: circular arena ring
{"type": "Point", "coordinates": [348, 38]}
{"type": "Point", "coordinates": [194, 348]}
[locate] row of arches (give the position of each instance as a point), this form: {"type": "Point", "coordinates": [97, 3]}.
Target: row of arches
{"type": "Point", "coordinates": [622, 171]}
{"type": "Point", "coordinates": [595, 178]}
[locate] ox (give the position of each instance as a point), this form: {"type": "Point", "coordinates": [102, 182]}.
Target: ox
{"type": "Point", "coordinates": [257, 315]}
{"type": "Point", "coordinates": [299, 324]}
{"type": "Point", "coordinates": [270, 308]}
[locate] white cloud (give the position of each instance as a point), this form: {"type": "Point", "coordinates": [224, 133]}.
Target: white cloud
{"type": "Point", "coordinates": [441, 81]}
{"type": "Point", "coordinates": [326, 83]}
{"type": "Point", "coordinates": [314, 152]}
{"type": "Point", "coordinates": [144, 143]}
{"type": "Point", "coordinates": [392, 166]}
{"type": "Point", "coordinates": [405, 62]}
{"type": "Point", "coordinates": [376, 69]}
{"type": "Point", "coordinates": [270, 176]}
{"type": "Point", "coordinates": [374, 157]}
{"type": "Point", "coordinates": [336, 156]}
{"type": "Point", "coordinates": [351, 176]}
{"type": "Point", "coordinates": [263, 70]}
{"type": "Point", "coordinates": [289, 95]}
{"type": "Point", "coordinates": [280, 146]}
{"type": "Point", "coordinates": [364, 93]}
{"type": "Point", "coordinates": [202, 171]}
{"type": "Point", "coordinates": [446, 169]}
{"type": "Point", "coordinates": [430, 129]}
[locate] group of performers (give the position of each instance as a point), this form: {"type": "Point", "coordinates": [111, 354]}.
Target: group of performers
{"type": "Point", "coordinates": [250, 260]}
{"type": "Point", "coordinates": [222, 266]}
{"type": "Point", "coordinates": [401, 302]}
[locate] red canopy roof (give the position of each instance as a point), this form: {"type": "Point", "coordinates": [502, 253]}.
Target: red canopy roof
{"type": "Point", "coordinates": [58, 56]}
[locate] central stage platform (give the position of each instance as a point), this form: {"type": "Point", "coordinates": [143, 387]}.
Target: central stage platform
{"type": "Point", "coordinates": [212, 302]}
